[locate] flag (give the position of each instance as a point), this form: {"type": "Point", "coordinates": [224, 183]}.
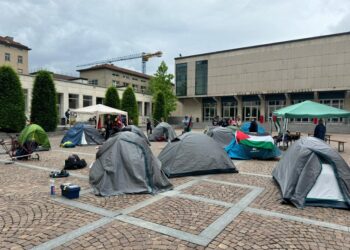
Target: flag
{"type": "Point", "coordinates": [265, 142]}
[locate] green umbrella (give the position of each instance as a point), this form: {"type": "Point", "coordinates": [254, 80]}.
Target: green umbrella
{"type": "Point", "coordinates": [309, 109]}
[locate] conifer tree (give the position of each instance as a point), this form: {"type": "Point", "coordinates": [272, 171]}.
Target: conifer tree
{"type": "Point", "coordinates": [12, 113]}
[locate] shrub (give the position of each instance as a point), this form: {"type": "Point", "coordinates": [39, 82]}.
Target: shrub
{"type": "Point", "coordinates": [12, 116]}
{"type": "Point", "coordinates": [44, 110]}
{"type": "Point", "coordinates": [129, 105]}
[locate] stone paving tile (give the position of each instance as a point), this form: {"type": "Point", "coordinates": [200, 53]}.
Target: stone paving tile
{"type": "Point", "coordinates": [56, 160]}
{"type": "Point", "coordinates": [270, 199]}
{"type": "Point", "coordinates": [257, 166]}
{"type": "Point", "coordinates": [120, 235]}
{"type": "Point", "coordinates": [113, 202]}
{"type": "Point", "coordinates": [180, 180]}
{"type": "Point", "coordinates": [250, 231]}
{"type": "Point", "coordinates": [30, 220]}
{"type": "Point", "coordinates": [217, 191]}
{"type": "Point", "coordinates": [21, 180]}
{"type": "Point", "coordinates": [182, 214]}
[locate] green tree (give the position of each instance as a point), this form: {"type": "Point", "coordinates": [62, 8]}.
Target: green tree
{"type": "Point", "coordinates": [129, 105]}
{"type": "Point", "coordinates": [159, 108]}
{"type": "Point", "coordinates": [161, 82]}
{"type": "Point", "coordinates": [44, 110]}
{"type": "Point", "coordinates": [112, 98]}
{"type": "Point", "coordinates": [12, 117]}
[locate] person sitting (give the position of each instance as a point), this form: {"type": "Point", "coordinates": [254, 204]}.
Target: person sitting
{"type": "Point", "coordinates": [215, 121]}
{"type": "Point", "coordinates": [253, 128]}
{"type": "Point", "coordinates": [320, 130]}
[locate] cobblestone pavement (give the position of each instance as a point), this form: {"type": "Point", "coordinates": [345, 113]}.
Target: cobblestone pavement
{"type": "Point", "coordinates": [223, 211]}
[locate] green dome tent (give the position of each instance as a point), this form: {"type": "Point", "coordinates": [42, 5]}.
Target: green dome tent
{"type": "Point", "coordinates": [34, 132]}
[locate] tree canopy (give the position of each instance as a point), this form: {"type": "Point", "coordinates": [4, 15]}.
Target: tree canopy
{"type": "Point", "coordinates": [129, 104]}
{"type": "Point", "coordinates": [161, 82]}
{"type": "Point", "coordinates": [12, 113]}
{"type": "Point", "coordinates": [159, 108]}
{"type": "Point", "coordinates": [112, 98]}
{"type": "Point", "coordinates": [44, 109]}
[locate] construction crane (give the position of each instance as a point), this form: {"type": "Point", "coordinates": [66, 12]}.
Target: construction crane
{"type": "Point", "coordinates": [144, 57]}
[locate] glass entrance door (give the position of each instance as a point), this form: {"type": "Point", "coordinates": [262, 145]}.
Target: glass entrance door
{"type": "Point", "coordinates": [251, 110]}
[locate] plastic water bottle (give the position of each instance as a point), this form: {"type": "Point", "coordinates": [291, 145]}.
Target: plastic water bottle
{"type": "Point", "coordinates": [52, 187]}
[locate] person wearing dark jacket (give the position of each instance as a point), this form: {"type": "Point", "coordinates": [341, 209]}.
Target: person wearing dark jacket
{"type": "Point", "coordinates": [149, 126]}
{"type": "Point", "coordinates": [253, 128]}
{"type": "Point", "coordinates": [320, 130]}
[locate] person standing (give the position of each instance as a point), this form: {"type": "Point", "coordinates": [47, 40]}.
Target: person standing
{"type": "Point", "coordinates": [108, 126]}
{"type": "Point", "coordinates": [149, 126]}
{"type": "Point", "coordinates": [253, 128]}
{"type": "Point", "coordinates": [320, 130]}
{"type": "Point", "coordinates": [67, 114]}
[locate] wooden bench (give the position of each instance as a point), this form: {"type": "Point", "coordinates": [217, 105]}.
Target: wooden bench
{"type": "Point", "coordinates": [340, 145]}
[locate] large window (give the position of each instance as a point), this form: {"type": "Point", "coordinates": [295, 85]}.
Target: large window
{"type": "Point", "coordinates": [73, 101]}
{"type": "Point", "coordinates": [201, 77]}
{"type": "Point", "coordinates": [229, 109]}
{"type": "Point", "coordinates": [336, 103]}
{"type": "Point", "coordinates": [209, 111]}
{"type": "Point", "coordinates": [274, 105]}
{"type": "Point", "coordinates": [7, 57]}
{"type": "Point", "coordinates": [251, 110]}
{"type": "Point", "coordinates": [93, 82]}
{"type": "Point", "coordinates": [87, 100]}
{"type": "Point", "coordinates": [181, 79]}
{"type": "Point", "coordinates": [99, 100]}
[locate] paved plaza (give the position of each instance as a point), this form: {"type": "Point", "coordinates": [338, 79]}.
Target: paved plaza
{"type": "Point", "coordinates": [224, 211]}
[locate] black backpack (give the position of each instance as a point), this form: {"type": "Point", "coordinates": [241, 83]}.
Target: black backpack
{"type": "Point", "coordinates": [74, 162]}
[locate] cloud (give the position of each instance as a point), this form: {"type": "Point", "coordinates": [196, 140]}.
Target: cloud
{"type": "Point", "coordinates": [63, 34]}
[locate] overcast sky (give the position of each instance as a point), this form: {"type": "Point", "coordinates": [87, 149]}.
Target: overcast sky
{"type": "Point", "coordinates": [65, 33]}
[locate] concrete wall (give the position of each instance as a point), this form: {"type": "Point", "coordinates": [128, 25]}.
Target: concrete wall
{"type": "Point", "coordinates": [299, 66]}
{"type": "Point", "coordinates": [14, 53]}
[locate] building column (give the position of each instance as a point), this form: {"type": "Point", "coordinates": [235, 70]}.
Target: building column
{"type": "Point", "coordinates": [218, 106]}
{"type": "Point", "coordinates": [65, 101]}
{"type": "Point", "coordinates": [262, 106]}
{"type": "Point", "coordinates": [94, 100]}
{"type": "Point", "coordinates": [316, 97]}
{"type": "Point", "coordinates": [80, 105]}
{"type": "Point", "coordinates": [288, 99]}
{"type": "Point", "coordinates": [239, 105]}
{"type": "Point", "coordinates": [347, 100]}
{"type": "Point", "coordinates": [29, 102]}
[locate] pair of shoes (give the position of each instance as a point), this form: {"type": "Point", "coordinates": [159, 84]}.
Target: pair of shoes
{"type": "Point", "coordinates": [57, 174]}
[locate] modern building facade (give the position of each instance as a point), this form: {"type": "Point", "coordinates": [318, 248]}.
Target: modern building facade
{"type": "Point", "coordinates": [252, 82]}
{"type": "Point", "coordinates": [14, 54]}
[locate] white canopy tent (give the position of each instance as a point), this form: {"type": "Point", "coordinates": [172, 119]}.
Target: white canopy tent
{"type": "Point", "coordinates": [100, 109]}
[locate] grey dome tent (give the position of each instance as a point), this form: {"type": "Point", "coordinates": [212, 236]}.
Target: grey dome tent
{"type": "Point", "coordinates": [124, 165]}
{"type": "Point", "coordinates": [194, 154]}
{"type": "Point", "coordinates": [162, 132]}
{"type": "Point", "coordinates": [222, 135]}
{"type": "Point", "coordinates": [137, 131]}
{"type": "Point", "coordinates": [312, 173]}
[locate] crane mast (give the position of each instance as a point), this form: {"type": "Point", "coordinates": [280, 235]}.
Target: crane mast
{"type": "Point", "coordinates": [144, 58]}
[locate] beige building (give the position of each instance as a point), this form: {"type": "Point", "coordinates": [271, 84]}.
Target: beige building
{"type": "Point", "coordinates": [14, 54]}
{"type": "Point", "coordinates": [252, 82]}
{"type": "Point", "coordinates": [106, 75]}
{"type": "Point", "coordinates": [78, 93]}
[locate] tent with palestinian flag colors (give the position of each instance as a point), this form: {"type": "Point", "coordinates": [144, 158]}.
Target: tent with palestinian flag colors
{"type": "Point", "coordinates": [246, 147]}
